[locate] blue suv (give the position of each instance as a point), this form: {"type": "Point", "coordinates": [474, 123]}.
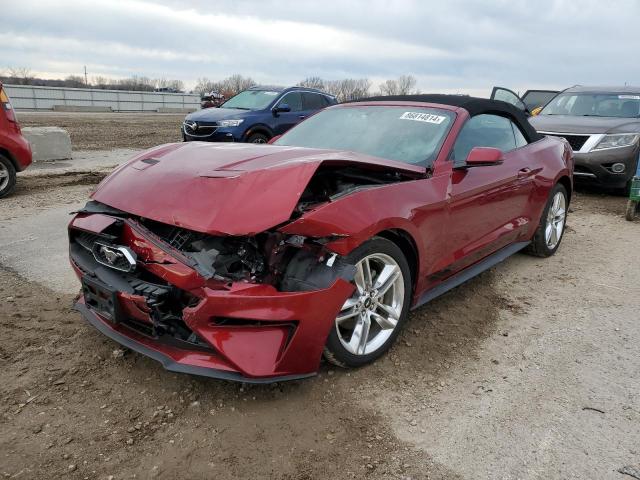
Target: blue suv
{"type": "Point", "coordinates": [255, 115]}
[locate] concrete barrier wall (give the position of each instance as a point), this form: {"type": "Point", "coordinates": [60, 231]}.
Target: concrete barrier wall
{"type": "Point", "coordinates": [26, 97]}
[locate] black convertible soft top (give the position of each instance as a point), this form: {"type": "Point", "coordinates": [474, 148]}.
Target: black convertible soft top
{"type": "Point", "coordinates": [473, 105]}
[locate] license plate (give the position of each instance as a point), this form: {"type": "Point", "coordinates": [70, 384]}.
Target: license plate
{"type": "Point", "coordinates": [100, 298]}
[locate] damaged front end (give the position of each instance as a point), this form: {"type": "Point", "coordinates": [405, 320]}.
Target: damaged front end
{"type": "Point", "coordinates": [199, 293]}
{"type": "Point", "coordinates": [243, 308]}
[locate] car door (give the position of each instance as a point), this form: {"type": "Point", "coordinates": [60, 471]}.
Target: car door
{"type": "Point", "coordinates": [285, 120]}
{"type": "Point", "coordinates": [509, 96]}
{"type": "Point", "coordinates": [487, 204]}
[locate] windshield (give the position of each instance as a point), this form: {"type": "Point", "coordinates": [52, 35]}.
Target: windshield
{"type": "Point", "coordinates": [406, 134]}
{"type": "Point", "coordinates": [625, 105]}
{"type": "Point", "coordinates": [251, 100]}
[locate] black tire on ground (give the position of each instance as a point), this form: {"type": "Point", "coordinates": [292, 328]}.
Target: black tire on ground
{"type": "Point", "coordinates": [257, 138]}
{"type": "Point", "coordinates": [632, 208]}
{"type": "Point", "coordinates": [538, 246]}
{"type": "Point", "coordinates": [9, 184]}
{"type": "Point", "coordinates": [334, 351]}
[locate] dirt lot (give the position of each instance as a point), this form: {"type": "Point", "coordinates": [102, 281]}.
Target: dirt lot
{"type": "Point", "coordinates": [530, 371]}
{"type": "Point", "coordinates": [103, 131]}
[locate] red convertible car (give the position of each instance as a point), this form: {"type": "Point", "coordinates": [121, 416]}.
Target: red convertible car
{"type": "Point", "coordinates": [249, 262]}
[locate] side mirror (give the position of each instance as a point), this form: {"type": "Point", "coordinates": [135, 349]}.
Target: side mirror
{"type": "Point", "coordinates": [273, 139]}
{"type": "Point", "coordinates": [283, 107]}
{"type": "Point", "coordinates": [484, 156]}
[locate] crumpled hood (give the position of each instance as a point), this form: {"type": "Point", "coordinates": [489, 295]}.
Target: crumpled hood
{"type": "Point", "coordinates": [572, 124]}
{"type": "Point", "coordinates": [215, 114]}
{"type": "Point", "coordinates": [233, 189]}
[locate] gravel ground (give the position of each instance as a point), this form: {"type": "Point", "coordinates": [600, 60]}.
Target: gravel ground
{"type": "Point", "coordinates": [529, 371]}
{"type": "Point", "coordinates": [104, 131]}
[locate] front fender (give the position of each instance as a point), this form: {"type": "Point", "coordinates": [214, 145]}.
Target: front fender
{"type": "Point", "coordinates": [417, 207]}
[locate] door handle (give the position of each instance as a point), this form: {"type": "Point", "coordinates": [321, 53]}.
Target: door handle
{"type": "Point", "coordinates": [302, 116]}
{"type": "Point", "coordinates": [524, 172]}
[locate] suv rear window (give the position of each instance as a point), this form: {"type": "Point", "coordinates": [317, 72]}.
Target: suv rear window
{"type": "Point", "coordinates": [313, 101]}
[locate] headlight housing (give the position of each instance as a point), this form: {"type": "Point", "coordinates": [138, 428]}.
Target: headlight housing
{"type": "Point", "coordinates": [230, 123]}
{"type": "Point", "coordinates": [617, 140]}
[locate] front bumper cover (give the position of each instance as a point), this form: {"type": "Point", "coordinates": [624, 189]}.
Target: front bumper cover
{"type": "Point", "coordinates": [593, 167]}
{"type": "Point", "coordinates": [250, 332]}
{"type": "Point", "coordinates": [183, 364]}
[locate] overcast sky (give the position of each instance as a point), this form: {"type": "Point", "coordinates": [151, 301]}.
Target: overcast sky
{"type": "Point", "coordinates": [448, 45]}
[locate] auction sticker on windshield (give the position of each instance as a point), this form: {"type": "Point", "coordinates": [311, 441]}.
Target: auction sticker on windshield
{"type": "Point", "coordinates": [423, 117]}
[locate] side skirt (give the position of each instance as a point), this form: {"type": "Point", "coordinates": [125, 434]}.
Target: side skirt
{"type": "Point", "coordinates": [470, 272]}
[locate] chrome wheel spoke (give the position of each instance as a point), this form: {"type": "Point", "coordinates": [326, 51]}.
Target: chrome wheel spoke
{"type": "Point", "coordinates": [346, 315]}
{"type": "Point", "coordinates": [554, 236]}
{"type": "Point", "coordinates": [386, 278]}
{"type": "Point", "coordinates": [547, 233]}
{"type": "Point", "coordinates": [359, 279]}
{"type": "Point", "coordinates": [360, 335]}
{"type": "Point", "coordinates": [366, 270]}
{"type": "Point", "coordinates": [386, 323]}
{"type": "Point", "coordinates": [3, 173]}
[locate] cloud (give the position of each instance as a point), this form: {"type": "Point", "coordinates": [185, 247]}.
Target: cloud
{"type": "Point", "coordinates": [449, 46]}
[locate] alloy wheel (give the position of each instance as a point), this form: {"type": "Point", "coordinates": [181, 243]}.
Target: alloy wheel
{"type": "Point", "coordinates": [556, 217]}
{"type": "Point", "coordinates": [4, 177]}
{"type": "Point", "coordinates": [369, 317]}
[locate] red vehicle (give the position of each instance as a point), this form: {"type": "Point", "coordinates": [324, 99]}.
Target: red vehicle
{"type": "Point", "coordinates": [257, 260]}
{"type": "Point", "coordinates": [15, 152]}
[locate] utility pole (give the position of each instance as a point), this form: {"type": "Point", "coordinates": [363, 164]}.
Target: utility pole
{"type": "Point", "coordinates": [86, 82]}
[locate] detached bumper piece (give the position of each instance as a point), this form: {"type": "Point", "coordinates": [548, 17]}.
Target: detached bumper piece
{"type": "Point", "coordinates": [176, 360]}
{"type": "Point", "coordinates": [164, 309]}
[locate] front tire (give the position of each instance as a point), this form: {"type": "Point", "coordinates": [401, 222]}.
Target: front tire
{"type": "Point", "coordinates": [549, 233]}
{"type": "Point", "coordinates": [7, 176]}
{"type": "Point", "coordinates": [257, 138]}
{"type": "Point", "coordinates": [371, 319]}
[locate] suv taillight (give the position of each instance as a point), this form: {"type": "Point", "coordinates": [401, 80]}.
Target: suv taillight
{"type": "Point", "coordinates": [6, 106]}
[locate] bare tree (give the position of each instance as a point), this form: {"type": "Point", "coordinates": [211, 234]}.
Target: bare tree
{"type": "Point", "coordinates": [100, 82]}
{"type": "Point", "coordinates": [228, 87]}
{"type": "Point", "coordinates": [349, 88]}
{"type": "Point", "coordinates": [20, 75]}
{"type": "Point", "coordinates": [313, 82]}
{"type": "Point", "coordinates": [74, 81]}
{"type": "Point", "coordinates": [403, 85]}
{"type": "Point", "coordinates": [406, 85]}
{"type": "Point", "coordinates": [204, 85]}
{"type": "Point", "coordinates": [177, 85]}
{"type": "Point", "coordinates": [389, 87]}
{"type": "Point", "coordinates": [236, 84]}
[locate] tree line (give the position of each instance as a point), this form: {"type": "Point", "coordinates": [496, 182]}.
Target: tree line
{"type": "Point", "coordinates": [24, 76]}
{"type": "Point", "coordinates": [344, 90]}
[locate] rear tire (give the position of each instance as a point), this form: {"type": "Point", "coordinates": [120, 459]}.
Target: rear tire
{"type": "Point", "coordinates": [546, 240]}
{"type": "Point", "coordinates": [7, 176]}
{"type": "Point", "coordinates": [373, 316]}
